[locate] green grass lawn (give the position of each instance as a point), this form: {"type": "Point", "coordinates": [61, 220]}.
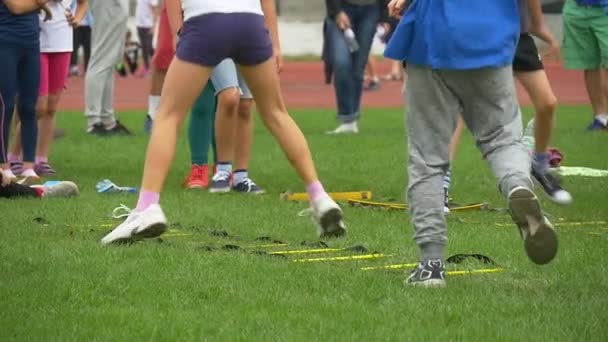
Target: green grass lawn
{"type": "Point", "coordinates": [58, 283]}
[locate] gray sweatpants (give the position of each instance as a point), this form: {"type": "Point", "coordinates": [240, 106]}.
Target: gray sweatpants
{"type": "Point", "coordinates": [108, 33]}
{"type": "Point", "coordinates": [488, 103]}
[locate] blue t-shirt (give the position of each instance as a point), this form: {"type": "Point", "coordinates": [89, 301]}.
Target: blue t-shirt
{"type": "Point", "coordinates": [457, 35]}
{"type": "Point", "coordinates": [19, 29]}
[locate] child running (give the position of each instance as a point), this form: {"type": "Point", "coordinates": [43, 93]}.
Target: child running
{"type": "Point", "coordinates": [529, 71]}
{"type": "Point", "coordinates": [56, 45]}
{"type": "Point", "coordinates": [214, 30]}
{"type": "Point", "coordinates": [20, 70]}
{"type": "Point", "coordinates": [459, 57]}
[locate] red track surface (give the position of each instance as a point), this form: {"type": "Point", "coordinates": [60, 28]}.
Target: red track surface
{"type": "Point", "coordinates": [303, 87]}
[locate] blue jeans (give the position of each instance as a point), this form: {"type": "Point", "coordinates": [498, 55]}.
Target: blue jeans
{"type": "Point", "coordinates": [20, 75]}
{"type": "Point", "coordinates": [349, 68]}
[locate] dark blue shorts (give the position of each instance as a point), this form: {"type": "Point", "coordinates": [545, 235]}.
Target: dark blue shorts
{"type": "Point", "coordinates": [210, 38]}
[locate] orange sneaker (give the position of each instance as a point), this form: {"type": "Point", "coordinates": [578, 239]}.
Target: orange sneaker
{"type": "Point", "coordinates": [198, 177]}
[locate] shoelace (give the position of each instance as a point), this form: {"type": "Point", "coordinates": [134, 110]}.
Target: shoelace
{"type": "Point", "coordinates": [198, 172]}
{"type": "Point", "coordinates": [121, 211]}
{"type": "Point", "coordinates": [221, 176]}
{"type": "Point", "coordinates": [249, 182]}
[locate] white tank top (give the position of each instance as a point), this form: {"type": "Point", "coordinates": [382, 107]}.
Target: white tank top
{"type": "Point", "coordinates": [56, 34]}
{"type": "Point", "coordinates": [193, 8]}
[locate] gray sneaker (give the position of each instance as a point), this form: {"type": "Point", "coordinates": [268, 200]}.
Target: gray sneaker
{"type": "Point", "coordinates": [248, 186]}
{"type": "Point", "coordinates": [540, 239]}
{"type": "Point", "coordinates": [220, 183]}
{"type": "Point", "coordinates": [430, 273]}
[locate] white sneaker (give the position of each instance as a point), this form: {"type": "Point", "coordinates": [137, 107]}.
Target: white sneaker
{"type": "Point", "coordinates": [346, 128]}
{"type": "Point", "coordinates": [540, 239]}
{"type": "Point", "coordinates": [327, 214]}
{"type": "Point", "coordinates": [29, 177]}
{"type": "Point", "coordinates": [61, 189]}
{"type": "Point", "coordinates": [149, 223]}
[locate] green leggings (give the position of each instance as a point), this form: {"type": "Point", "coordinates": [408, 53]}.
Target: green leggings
{"type": "Point", "coordinates": [201, 133]}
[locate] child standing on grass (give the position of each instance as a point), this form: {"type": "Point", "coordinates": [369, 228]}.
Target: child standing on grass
{"type": "Point", "coordinates": [56, 46]}
{"type": "Point", "coordinates": [214, 30]}
{"type": "Point", "coordinates": [20, 70]}
{"type": "Point", "coordinates": [459, 57]}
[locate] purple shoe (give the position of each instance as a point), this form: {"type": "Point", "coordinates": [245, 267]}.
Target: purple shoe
{"type": "Point", "coordinates": [44, 169]}
{"type": "Point", "coordinates": [16, 167]}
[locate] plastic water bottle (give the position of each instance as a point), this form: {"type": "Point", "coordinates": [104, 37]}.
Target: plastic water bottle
{"type": "Point", "coordinates": [528, 138]}
{"type": "Point", "coordinates": [351, 40]}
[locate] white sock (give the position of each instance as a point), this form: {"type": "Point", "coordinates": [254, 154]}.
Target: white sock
{"type": "Point", "coordinates": [153, 103]}
{"type": "Point", "coordinates": [240, 176]}
{"type": "Point", "coordinates": [603, 118]}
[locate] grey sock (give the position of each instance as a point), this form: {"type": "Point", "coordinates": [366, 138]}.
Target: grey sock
{"type": "Point", "coordinates": [432, 251]}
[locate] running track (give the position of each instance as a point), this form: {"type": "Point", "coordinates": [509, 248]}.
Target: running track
{"type": "Point", "coordinates": [303, 87]}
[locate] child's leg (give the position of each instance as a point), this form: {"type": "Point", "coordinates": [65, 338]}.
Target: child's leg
{"type": "Point", "coordinates": [176, 100]}
{"type": "Point", "coordinates": [264, 84]}
{"type": "Point", "coordinates": [9, 55]}
{"type": "Point", "coordinates": [200, 129]}
{"type": "Point", "coordinates": [491, 111]}
{"type": "Point", "coordinates": [455, 141]}
{"type": "Point", "coordinates": [226, 81]}
{"type": "Point", "coordinates": [58, 67]}
{"type": "Point", "coordinates": [431, 115]}
{"type": "Point", "coordinates": [497, 130]}
{"type": "Point", "coordinates": [29, 83]}
{"type": "Point", "coordinates": [539, 89]}
{"type": "Point", "coordinates": [244, 136]}
{"type": "Point", "coordinates": [225, 123]}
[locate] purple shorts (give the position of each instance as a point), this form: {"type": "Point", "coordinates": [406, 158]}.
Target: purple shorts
{"type": "Point", "coordinates": [210, 38]}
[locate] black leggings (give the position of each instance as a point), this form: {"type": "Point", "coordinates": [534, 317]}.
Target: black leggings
{"type": "Point", "coordinates": [145, 39]}
{"type": "Point", "coordinates": [82, 38]}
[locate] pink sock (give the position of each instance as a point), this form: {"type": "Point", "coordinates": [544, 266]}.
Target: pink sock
{"type": "Point", "coordinates": [13, 157]}
{"type": "Point", "coordinates": [40, 160]}
{"type": "Point", "coordinates": [315, 189]}
{"type": "Point", "coordinates": [146, 199]}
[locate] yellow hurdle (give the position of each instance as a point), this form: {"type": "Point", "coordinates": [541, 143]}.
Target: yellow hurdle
{"type": "Point", "coordinates": [336, 196]}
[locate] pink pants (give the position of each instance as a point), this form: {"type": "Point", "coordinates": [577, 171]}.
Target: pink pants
{"type": "Point", "coordinates": [54, 67]}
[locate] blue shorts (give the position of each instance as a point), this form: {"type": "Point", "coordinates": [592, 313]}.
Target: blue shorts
{"type": "Point", "coordinates": [226, 76]}
{"type": "Point", "coordinates": [210, 38]}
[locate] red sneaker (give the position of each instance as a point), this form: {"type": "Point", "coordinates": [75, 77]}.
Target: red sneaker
{"type": "Point", "coordinates": [198, 177]}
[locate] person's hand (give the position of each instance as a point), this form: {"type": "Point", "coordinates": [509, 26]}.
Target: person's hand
{"type": "Point", "coordinates": [41, 2]}
{"type": "Point", "coordinates": [71, 18]}
{"type": "Point", "coordinates": [278, 60]}
{"type": "Point", "coordinates": [396, 8]}
{"type": "Point", "coordinates": [343, 21]}
{"type": "Point", "coordinates": [553, 49]}
{"type": "Point", "coordinates": [48, 15]}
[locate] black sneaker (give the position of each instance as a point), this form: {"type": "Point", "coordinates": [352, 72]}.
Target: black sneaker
{"type": "Point", "coordinates": [220, 183]}
{"type": "Point", "coordinates": [98, 129]}
{"type": "Point", "coordinates": [248, 186]}
{"type": "Point", "coordinates": [429, 273]}
{"type": "Point", "coordinates": [119, 129]}
{"type": "Point", "coordinates": [552, 188]}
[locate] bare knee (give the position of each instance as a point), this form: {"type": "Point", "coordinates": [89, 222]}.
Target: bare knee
{"type": "Point", "coordinates": [245, 109]}
{"type": "Point", "coordinates": [546, 106]}
{"type": "Point", "coordinates": [228, 102]}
